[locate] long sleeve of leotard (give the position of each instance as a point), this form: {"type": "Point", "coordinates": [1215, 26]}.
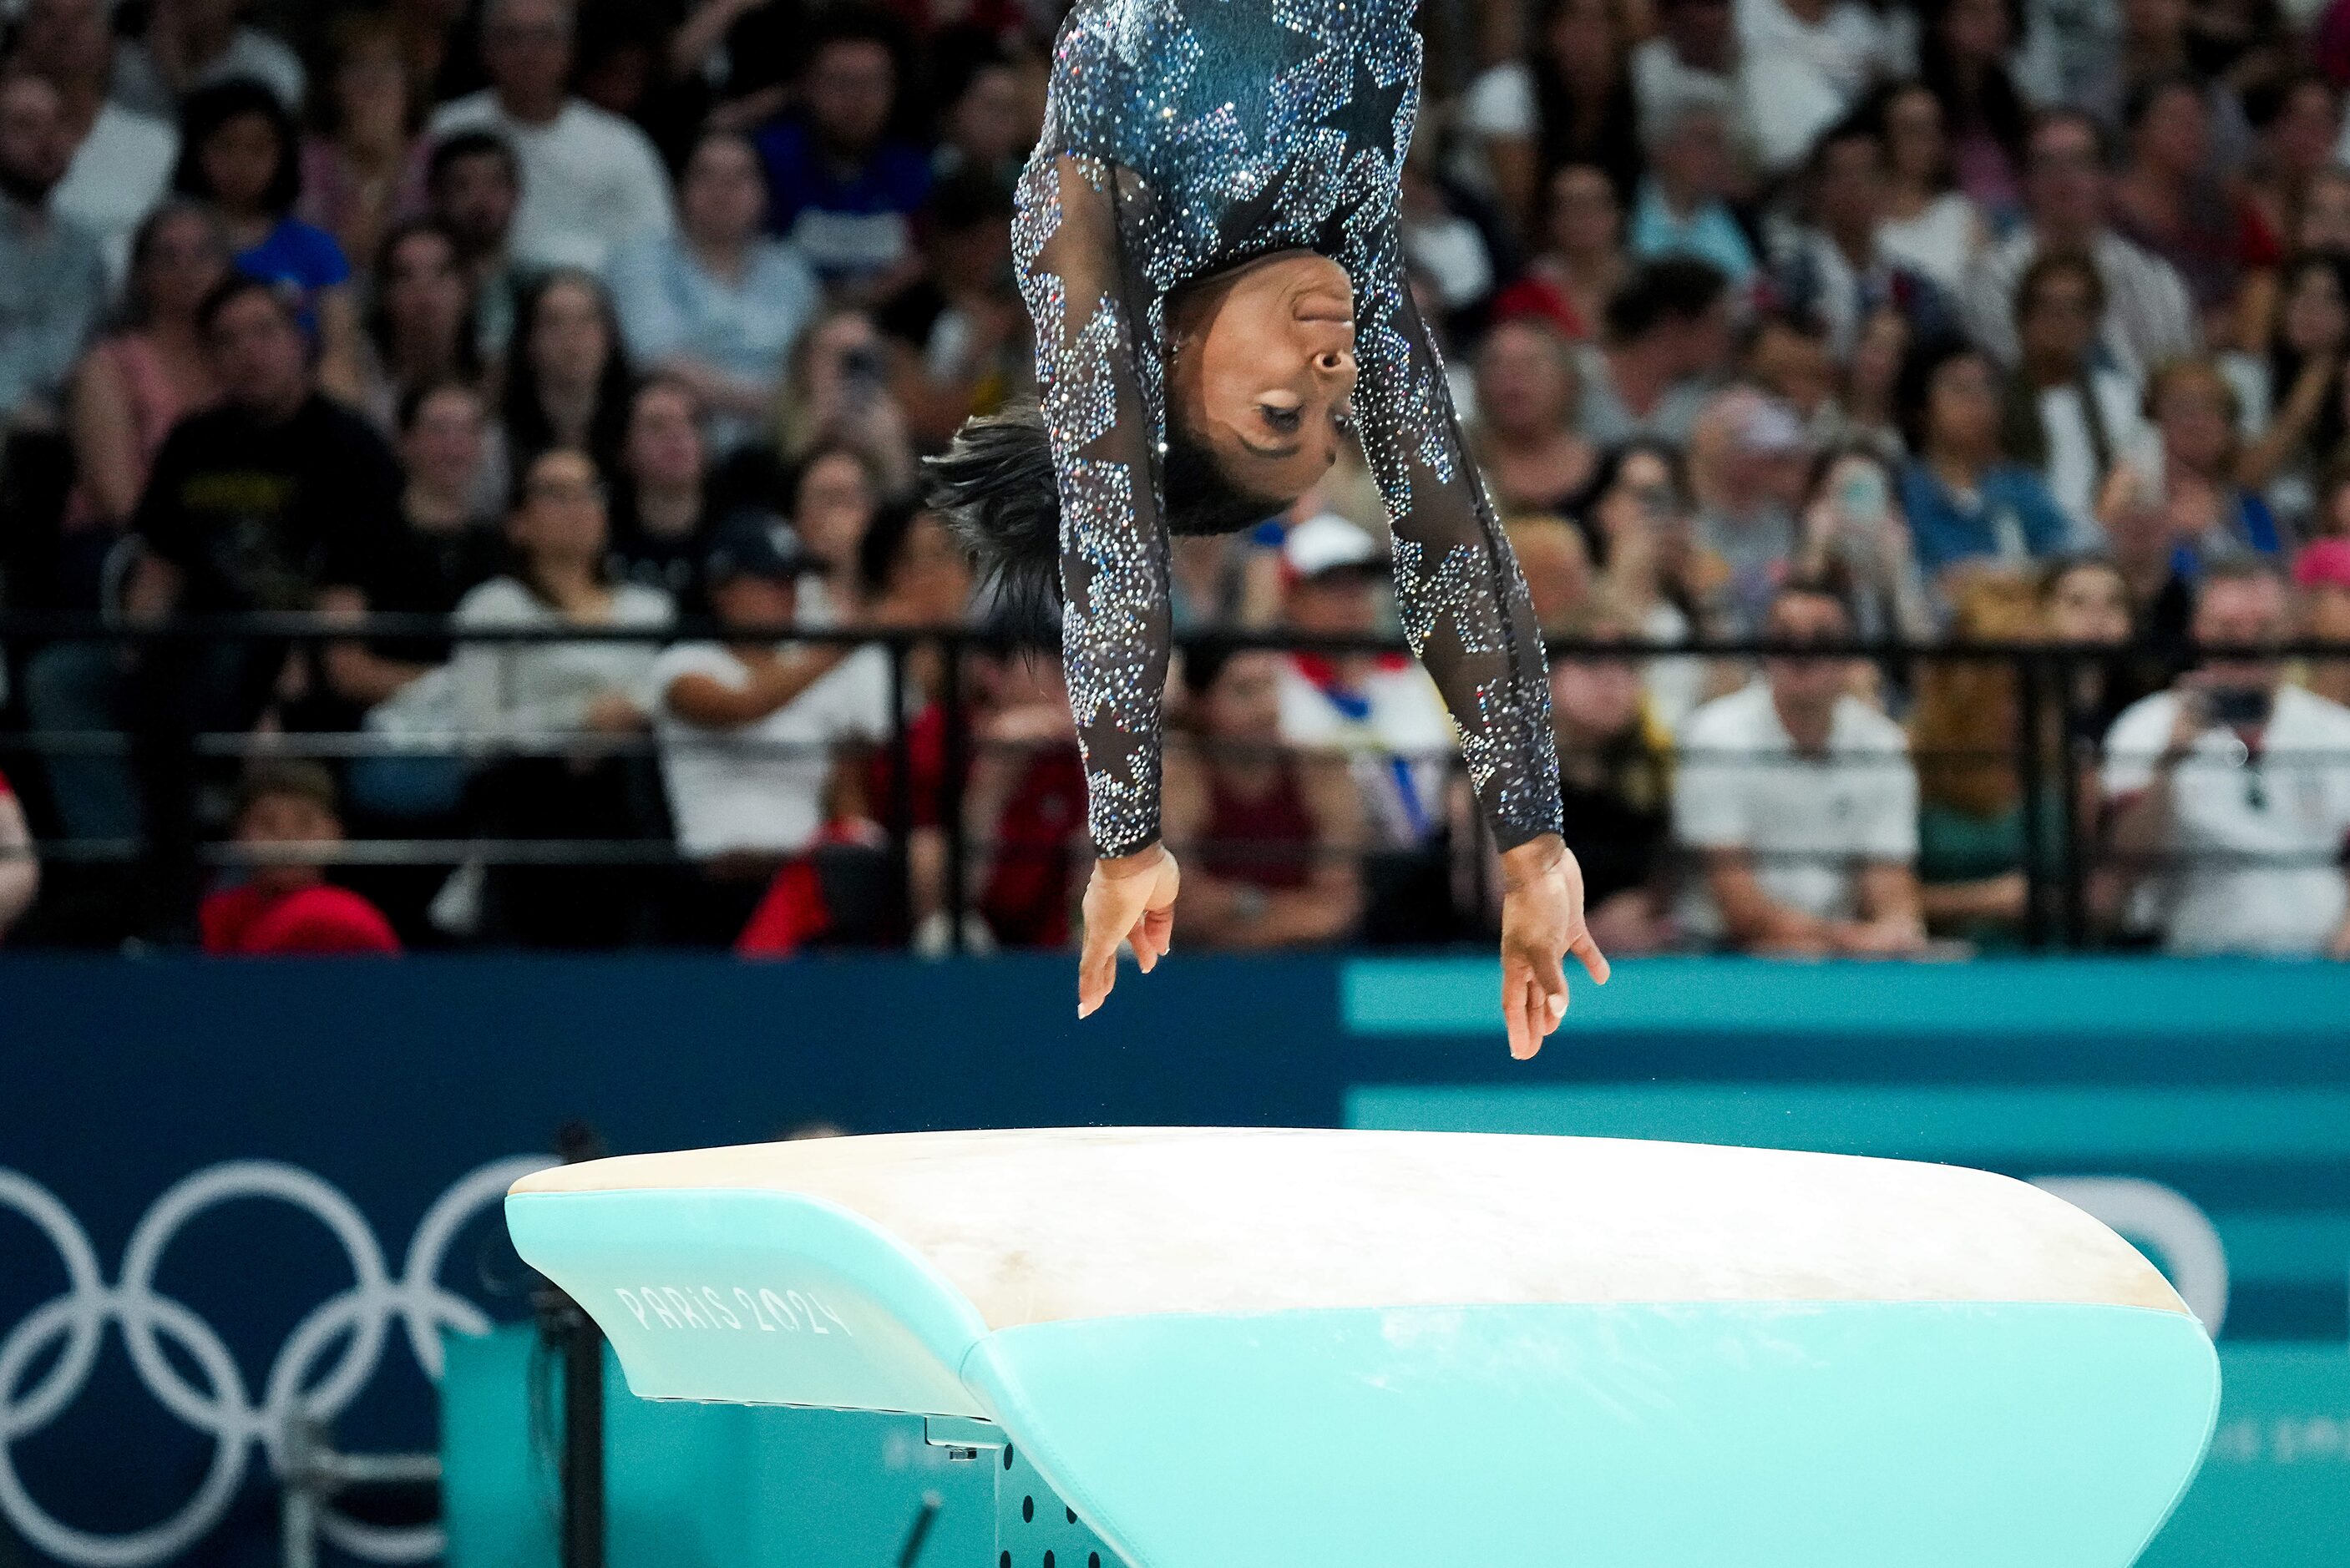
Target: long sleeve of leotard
{"type": "Point", "coordinates": [1098, 380]}
{"type": "Point", "coordinates": [1459, 592]}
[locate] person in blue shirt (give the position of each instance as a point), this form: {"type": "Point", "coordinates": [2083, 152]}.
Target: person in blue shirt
{"type": "Point", "coordinates": [838, 184]}
{"type": "Point", "coordinates": [239, 153]}
{"type": "Point", "coordinates": [1965, 503]}
{"type": "Point", "coordinates": [1683, 208]}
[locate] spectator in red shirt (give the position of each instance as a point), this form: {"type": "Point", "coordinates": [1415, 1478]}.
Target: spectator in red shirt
{"type": "Point", "coordinates": [20, 868]}
{"type": "Point", "coordinates": [285, 905]}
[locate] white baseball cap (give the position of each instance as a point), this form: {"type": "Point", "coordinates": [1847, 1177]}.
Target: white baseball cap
{"type": "Point", "coordinates": [1325, 542]}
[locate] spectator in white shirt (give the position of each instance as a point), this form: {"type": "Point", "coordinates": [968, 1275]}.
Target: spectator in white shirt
{"type": "Point", "coordinates": [122, 160]}
{"type": "Point", "coordinates": [192, 44]}
{"type": "Point", "coordinates": [1696, 45]}
{"type": "Point", "coordinates": [1803, 64]}
{"type": "Point", "coordinates": [2230, 792]}
{"type": "Point", "coordinates": [749, 727]}
{"type": "Point", "coordinates": [590, 181]}
{"type": "Point", "coordinates": [2068, 419]}
{"type": "Point", "coordinates": [2148, 318]}
{"type": "Point", "coordinates": [1799, 805]}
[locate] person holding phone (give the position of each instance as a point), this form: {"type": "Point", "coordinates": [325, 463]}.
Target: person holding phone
{"type": "Point", "coordinates": [2229, 794]}
{"type": "Point", "coordinates": [1854, 533]}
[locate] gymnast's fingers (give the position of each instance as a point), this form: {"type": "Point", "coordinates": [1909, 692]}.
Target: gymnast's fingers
{"type": "Point", "coordinates": [1153, 936]}
{"type": "Point", "coordinates": [1595, 962]}
{"type": "Point", "coordinates": [1524, 1041]}
{"type": "Point", "coordinates": [1096, 969]}
{"type": "Point", "coordinates": [1549, 994]}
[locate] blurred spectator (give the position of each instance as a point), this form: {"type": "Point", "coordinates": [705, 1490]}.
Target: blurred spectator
{"type": "Point", "coordinates": [1800, 804]}
{"type": "Point", "coordinates": [2298, 120]}
{"type": "Point", "coordinates": [287, 828]}
{"type": "Point", "coordinates": [1380, 708]}
{"type": "Point", "coordinates": [1524, 440]}
{"type": "Point", "coordinates": [1872, 378]}
{"type": "Point", "coordinates": [550, 714]}
{"type": "Point", "coordinates": [239, 149]}
{"type": "Point", "coordinates": [2230, 792]}
{"type": "Point", "coordinates": [1963, 60]}
{"type": "Point", "coordinates": [836, 496]}
{"type": "Point", "coordinates": [1639, 522]}
{"type": "Point", "coordinates": [1027, 801]}
{"type": "Point", "coordinates": [662, 526]}
{"type": "Point", "coordinates": [1683, 208]}
{"type": "Point", "coordinates": [1929, 224]}
{"type": "Point", "coordinates": [192, 45]}
{"type": "Point", "coordinates": [1785, 354]}
{"type": "Point", "coordinates": [2189, 476]}
{"type": "Point", "coordinates": [747, 729]}
{"type": "Point", "coordinates": [1746, 465]}
{"type": "Point", "coordinates": [1445, 249]}
{"type": "Point", "coordinates": [1570, 281]}
{"type": "Point", "coordinates": [1615, 780]}
{"type": "Point", "coordinates": [1803, 64]}
{"type": "Point", "coordinates": [1963, 501]}
{"type": "Point", "coordinates": [2148, 316]}
{"type": "Point", "coordinates": [2170, 198]}
{"type": "Point", "coordinates": [52, 281]}
{"type": "Point", "coordinates": [1838, 270]}
{"type": "Point", "coordinates": [1570, 101]}
{"type": "Point", "coordinates": [1667, 335]}
{"type": "Point", "coordinates": [1965, 733]}
{"type": "Point", "coordinates": [1556, 565]}
{"type": "Point", "coordinates": [2322, 574]}
{"type": "Point", "coordinates": [2296, 425]}
{"type": "Point", "coordinates": [717, 303]}
{"type": "Point", "coordinates": [1268, 834]}
{"type": "Point", "coordinates": [1856, 538]}
{"type": "Point", "coordinates": [353, 170]}
{"type": "Point", "coordinates": [958, 336]}
{"type": "Point", "coordinates": [838, 182]}
{"type": "Point", "coordinates": [473, 186]}
{"type": "Point", "coordinates": [420, 324]}
{"type": "Point", "coordinates": [2325, 220]}
{"type": "Point", "coordinates": [20, 863]}
{"type": "Point", "coordinates": [121, 160]}
{"type": "Point", "coordinates": [136, 382]}
{"type": "Point", "coordinates": [2068, 50]}
{"type": "Point", "coordinates": [568, 376]}
{"type": "Point", "coordinates": [988, 122]}
{"type": "Point", "coordinates": [837, 393]}
{"type": "Point", "coordinates": [2084, 604]}
{"type": "Point", "coordinates": [2064, 416]}
{"type": "Point", "coordinates": [1696, 43]}
{"type": "Point", "coordinates": [590, 181]}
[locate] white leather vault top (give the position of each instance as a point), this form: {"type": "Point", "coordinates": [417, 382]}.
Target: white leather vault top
{"type": "Point", "coordinates": [1042, 1226]}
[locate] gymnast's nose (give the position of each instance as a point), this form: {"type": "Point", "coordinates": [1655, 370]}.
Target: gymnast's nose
{"type": "Point", "coordinates": [1336, 365]}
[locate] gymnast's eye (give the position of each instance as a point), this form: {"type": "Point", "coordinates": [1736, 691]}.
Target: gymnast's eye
{"type": "Point", "coordinates": [1288, 422]}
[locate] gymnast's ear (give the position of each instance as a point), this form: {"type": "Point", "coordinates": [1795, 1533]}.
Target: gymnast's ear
{"type": "Point", "coordinates": [995, 488]}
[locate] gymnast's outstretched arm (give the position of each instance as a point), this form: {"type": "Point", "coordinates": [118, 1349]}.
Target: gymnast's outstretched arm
{"type": "Point", "coordinates": [1466, 612]}
{"type": "Point", "coordinates": [1096, 365]}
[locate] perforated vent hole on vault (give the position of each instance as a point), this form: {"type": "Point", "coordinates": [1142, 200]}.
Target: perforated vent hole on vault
{"type": "Point", "coordinates": [1034, 1528]}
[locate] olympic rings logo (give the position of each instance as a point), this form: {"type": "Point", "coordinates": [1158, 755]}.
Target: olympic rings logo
{"type": "Point", "coordinates": [224, 1408]}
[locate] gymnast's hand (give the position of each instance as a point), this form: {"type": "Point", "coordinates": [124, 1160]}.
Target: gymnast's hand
{"type": "Point", "coordinates": [1541, 922]}
{"type": "Point", "coordinates": [1131, 898]}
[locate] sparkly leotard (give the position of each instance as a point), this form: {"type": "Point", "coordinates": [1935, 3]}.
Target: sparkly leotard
{"type": "Point", "coordinates": [1181, 138]}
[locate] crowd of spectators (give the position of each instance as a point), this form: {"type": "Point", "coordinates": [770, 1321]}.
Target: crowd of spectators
{"type": "Point", "coordinates": [1815, 322]}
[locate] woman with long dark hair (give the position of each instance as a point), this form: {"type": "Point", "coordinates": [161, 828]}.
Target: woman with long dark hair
{"type": "Point", "coordinates": [1211, 208]}
{"type": "Point", "coordinates": [568, 376]}
{"type": "Point", "coordinates": [1965, 65]}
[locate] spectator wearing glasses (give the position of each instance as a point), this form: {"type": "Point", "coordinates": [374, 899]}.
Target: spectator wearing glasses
{"type": "Point", "coordinates": [2148, 318]}
{"type": "Point", "coordinates": [1798, 806]}
{"type": "Point", "coordinates": [590, 181]}
{"type": "Point", "coordinates": [1271, 833]}
{"type": "Point", "coordinates": [2230, 792]}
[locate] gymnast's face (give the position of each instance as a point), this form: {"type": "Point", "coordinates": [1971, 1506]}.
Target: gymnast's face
{"type": "Point", "coordinates": [1265, 370]}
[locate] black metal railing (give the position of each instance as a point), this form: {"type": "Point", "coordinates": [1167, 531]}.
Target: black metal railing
{"type": "Point", "coordinates": [2050, 755]}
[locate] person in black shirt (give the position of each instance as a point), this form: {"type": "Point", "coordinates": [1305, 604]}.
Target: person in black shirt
{"type": "Point", "coordinates": [1614, 780]}
{"type": "Point", "coordinates": [662, 522]}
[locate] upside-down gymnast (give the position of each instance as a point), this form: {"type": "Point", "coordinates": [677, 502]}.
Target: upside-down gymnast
{"type": "Point", "coordinates": [1207, 241]}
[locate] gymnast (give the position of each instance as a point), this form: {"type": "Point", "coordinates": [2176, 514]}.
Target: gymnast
{"type": "Point", "coordinates": [1209, 214]}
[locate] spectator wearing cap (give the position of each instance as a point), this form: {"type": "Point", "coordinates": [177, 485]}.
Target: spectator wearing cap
{"type": "Point", "coordinates": [590, 181]}
{"type": "Point", "coordinates": [1798, 805]}
{"type": "Point", "coordinates": [1269, 835]}
{"type": "Point", "coordinates": [1684, 207]}
{"type": "Point", "coordinates": [1746, 464]}
{"type": "Point", "coordinates": [1965, 504]}
{"type": "Point", "coordinates": [2229, 794]}
{"type": "Point", "coordinates": [2322, 574]}
{"type": "Point", "coordinates": [1668, 338]}
{"type": "Point", "coordinates": [288, 828]}
{"type": "Point", "coordinates": [1379, 708]}
{"type": "Point", "coordinates": [719, 303]}
{"type": "Point", "coordinates": [190, 44]}
{"type": "Point", "coordinates": [20, 863]}
{"type": "Point", "coordinates": [52, 281]}
{"type": "Point", "coordinates": [748, 726]}
{"type": "Point", "coordinates": [838, 182]}
{"type": "Point", "coordinates": [121, 159]}
{"type": "Point", "coordinates": [2148, 317]}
